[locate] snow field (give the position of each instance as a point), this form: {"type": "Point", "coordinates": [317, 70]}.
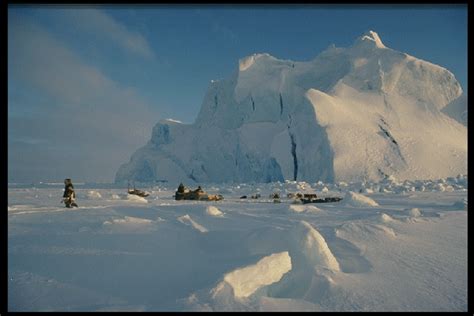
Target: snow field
{"type": "Point", "coordinates": [167, 255]}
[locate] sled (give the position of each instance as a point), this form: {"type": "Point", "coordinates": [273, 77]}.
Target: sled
{"type": "Point", "coordinates": [184, 193]}
{"type": "Point", "coordinates": [137, 192]}
{"type": "Point", "coordinates": [321, 200]}
{"type": "Point", "coordinates": [197, 196]}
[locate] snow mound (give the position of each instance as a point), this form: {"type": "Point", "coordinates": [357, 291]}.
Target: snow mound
{"type": "Point", "coordinates": [367, 190]}
{"type": "Point", "coordinates": [129, 224]}
{"type": "Point", "coordinates": [358, 200]}
{"type": "Point", "coordinates": [384, 218]}
{"type": "Point", "coordinates": [136, 198]}
{"type": "Point", "coordinates": [461, 205]}
{"type": "Point", "coordinates": [187, 220]}
{"type": "Point", "coordinates": [115, 197]}
{"type": "Point", "coordinates": [246, 281]}
{"type": "Point", "coordinates": [304, 208]}
{"type": "Point", "coordinates": [414, 212]}
{"type": "Point", "coordinates": [213, 211]}
{"type": "Point", "coordinates": [364, 231]}
{"type": "Point", "coordinates": [93, 195]}
{"type": "Point", "coordinates": [129, 220]}
{"type": "Point", "coordinates": [313, 246]}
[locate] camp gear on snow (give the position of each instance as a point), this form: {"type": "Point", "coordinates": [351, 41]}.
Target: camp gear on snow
{"type": "Point", "coordinates": [184, 193]}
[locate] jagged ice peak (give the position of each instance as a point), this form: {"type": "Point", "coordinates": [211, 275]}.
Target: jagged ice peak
{"type": "Point", "coordinates": [371, 37]}
{"type": "Point", "coordinates": [248, 61]}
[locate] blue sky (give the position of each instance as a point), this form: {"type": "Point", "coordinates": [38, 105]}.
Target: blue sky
{"type": "Point", "coordinates": [87, 84]}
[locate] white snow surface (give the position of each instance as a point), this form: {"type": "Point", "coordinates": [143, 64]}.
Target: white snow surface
{"type": "Point", "coordinates": [360, 113]}
{"type": "Point", "coordinates": [407, 253]}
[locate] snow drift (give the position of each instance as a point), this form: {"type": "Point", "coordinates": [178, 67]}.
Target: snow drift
{"type": "Point", "coordinates": [213, 211]}
{"type": "Point", "coordinates": [350, 114]}
{"type": "Point", "coordinates": [187, 220]}
{"type": "Point", "coordinates": [136, 198]}
{"type": "Point", "coordinates": [93, 195]}
{"type": "Point", "coordinates": [313, 247]}
{"type": "Point", "coordinates": [358, 200]}
{"type": "Point", "coordinates": [268, 270]}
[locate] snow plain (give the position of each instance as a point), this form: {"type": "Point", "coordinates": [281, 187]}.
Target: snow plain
{"type": "Point", "coordinates": [387, 246]}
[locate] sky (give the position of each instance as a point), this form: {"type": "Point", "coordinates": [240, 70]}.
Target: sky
{"type": "Point", "coordinates": [86, 84]}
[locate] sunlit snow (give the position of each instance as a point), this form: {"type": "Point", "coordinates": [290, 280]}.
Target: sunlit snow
{"type": "Point", "coordinates": [407, 252]}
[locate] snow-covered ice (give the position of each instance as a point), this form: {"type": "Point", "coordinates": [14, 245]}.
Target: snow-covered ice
{"type": "Point", "coordinates": [406, 252]}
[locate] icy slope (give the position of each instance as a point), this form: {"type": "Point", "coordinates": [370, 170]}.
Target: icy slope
{"type": "Point", "coordinates": [350, 114]}
{"type": "Point", "coordinates": [457, 109]}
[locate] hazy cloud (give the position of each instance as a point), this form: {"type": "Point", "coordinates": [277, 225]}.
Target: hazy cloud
{"type": "Point", "coordinates": [84, 124]}
{"type": "Point", "coordinates": [225, 32]}
{"type": "Point", "coordinates": [98, 22]}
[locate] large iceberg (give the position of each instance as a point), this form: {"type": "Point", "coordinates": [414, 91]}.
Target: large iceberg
{"type": "Point", "coordinates": [360, 113]}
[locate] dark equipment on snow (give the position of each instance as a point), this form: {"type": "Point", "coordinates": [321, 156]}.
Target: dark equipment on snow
{"type": "Point", "coordinates": [274, 196]}
{"type": "Point", "coordinates": [321, 200]}
{"type": "Point", "coordinates": [294, 195]}
{"type": "Point", "coordinates": [312, 198]}
{"type": "Point", "coordinates": [184, 193]}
